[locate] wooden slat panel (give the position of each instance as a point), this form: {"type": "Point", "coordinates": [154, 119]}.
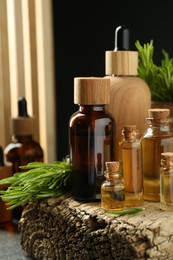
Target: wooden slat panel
{"type": "Point", "coordinates": [30, 61]}
{"type": "Point", "coordinates": [46, 77]}
{"type": "Point", "coordinates": [34, 71]}
{"type": "Point", "coordinates": [13, 31]}
{"type": "Point", "coordinates": [28, 69]}
{"type": "Point", "coordinates": [5, 104]}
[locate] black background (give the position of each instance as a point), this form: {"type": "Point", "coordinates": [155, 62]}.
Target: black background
{"type": "Point", "coordinates": [84, 30]}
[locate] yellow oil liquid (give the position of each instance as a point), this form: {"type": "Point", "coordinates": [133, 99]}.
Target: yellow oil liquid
{"type": "Point", "coordinates": [132, 172]}
{"type": "Point", "coordinates": [152, 147]}
{"type": "Point", "coordinates": [112, 198]}
{"type": "Point", "coordinates": [166, 191]}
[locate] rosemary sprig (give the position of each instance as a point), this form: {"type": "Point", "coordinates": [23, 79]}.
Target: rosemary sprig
{"type": "Point", "coordinates": [158, 78]}
{"type": "Point", "coordinates": [40, 180]}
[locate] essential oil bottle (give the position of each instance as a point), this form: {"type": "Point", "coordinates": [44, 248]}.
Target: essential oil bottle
{"type": "Point", "coordinates": [5, 172]}
{"type": "Point", "coordinates": [131, 164]}
{"type": "Point", "coordinates": [130, 96]}
{"type": "Point", "coordinates": [91, 137]}
{"type": "Point", "coordinates": [157, 139]}
{"type": "Point", "coordinates": [166, 181]}
{"type": "Point", "coordinates": [112, 189]}
{"type": "Point", "coordinates": [23, 149]}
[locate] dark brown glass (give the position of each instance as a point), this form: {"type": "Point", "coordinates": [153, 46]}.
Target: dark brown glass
{"type": "Point", "coordinates": [91, 143]}
{"type": "Point", "coordinates": [20, 152]}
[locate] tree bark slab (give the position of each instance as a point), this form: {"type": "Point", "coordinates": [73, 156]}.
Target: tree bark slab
{"type": "Point", "coordinates": [62, 228]}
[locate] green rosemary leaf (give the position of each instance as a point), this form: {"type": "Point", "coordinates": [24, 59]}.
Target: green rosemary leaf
{"type": "Point", "coordinates": [158, 78]}
{"type": "Point", "coordinates": [40, 180]}
{"type": "Point", "coordinates": [129, 211]}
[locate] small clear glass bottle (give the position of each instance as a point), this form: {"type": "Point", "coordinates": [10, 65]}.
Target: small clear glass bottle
{"type": "Point", "coordinates": [166, 181]}
{"type": "Point", "coordinates": [131, 164]}
{"type": "Point", "coordinates": [91, 137]}
{"type": "Point", "coordinates": [157, 139]}
{"type": "Point", "coordinates": [112, 189]}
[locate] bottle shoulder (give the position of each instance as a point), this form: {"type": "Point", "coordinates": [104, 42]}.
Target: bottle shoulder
{"type": "Point", "coordinates": [130, 145]}
{"type": "Point", "coordinates": [14, 146]}
{"type": "Point", "coordinates": [157, 132]}
{"type": "Point", "coordinates": [131, 84]}
{"type": "Point", "coordinates": [91, 116]}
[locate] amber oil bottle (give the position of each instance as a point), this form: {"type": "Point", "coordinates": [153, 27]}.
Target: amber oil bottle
{"type": "Point", "coordinates": [23, 149]}
{"type": "Point", "coordinates": [112, 189]}
{"type": "Point", "coordinates": [157, 139]}
{"type": "Point", "coordinates": [131, 164]}
{"type": "Point", "coordinates": [5, 172]}
{"type": "Point", "coordinates": [166, 181]}
{"type": "Point", "coordinates": [91, 137]}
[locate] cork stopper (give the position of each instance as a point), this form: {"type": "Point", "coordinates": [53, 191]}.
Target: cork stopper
{"type": "Point", "coordinates": [112, 167]}
{"type": "Point", "coordinates": [22, 124]}
{"type": "Point", "coordinates": [167, 160]}
{"type": "Point", "coordinates": [159, 113]}
{"type": "Point", "coordinates": [91, 91]}
{"type": "Point", "coordinates": [122, 63]}
{"type": "Point", "coordinates": [130, 133]}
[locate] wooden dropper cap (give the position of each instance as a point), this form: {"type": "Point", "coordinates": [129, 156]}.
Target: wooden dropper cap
{"type": "Point", "coordinates": [22, 124]}
{"type": "Point", "coordinates": [121, 61]}
{"type": "Point", "coordinates": [91, 91]}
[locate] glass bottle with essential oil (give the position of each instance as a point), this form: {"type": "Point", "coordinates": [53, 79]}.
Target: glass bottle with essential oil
{"type": "Point", "coordinates": [112, 189]}
{"type": "Point", "coordinates": [157, 139]}
{"type": "Point", "coordinates": [5, 172]}
{"type": "Point", "coordinates": [23, 149]}
{"type": "Point", "coordinates": [166, 181]}
{"type": "Point", "coordinates": [91, 137]}
{"type": "Point", "coordinates": [131, 164]}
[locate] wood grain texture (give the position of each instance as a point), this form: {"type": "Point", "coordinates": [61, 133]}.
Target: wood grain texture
{"type": "Point", "coordinates": [130, 100]}
{"type": "Point", "coordinates": [121, 63]}
{"type": "Point", "coordinates": [61, 228]}
{"type": "Point", "coordinates": [91, 91]}
{"type": "Point", "coordinates": [5, 104]}
{"type": "Point", "coordinates": [27, 69]}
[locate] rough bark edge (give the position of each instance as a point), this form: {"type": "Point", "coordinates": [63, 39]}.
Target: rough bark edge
{"type": "Point", "coordinates": [61, 228]}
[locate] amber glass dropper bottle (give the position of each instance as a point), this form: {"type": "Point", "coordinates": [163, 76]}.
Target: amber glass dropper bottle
{"type": "Point", "coordinates": [24, 148]}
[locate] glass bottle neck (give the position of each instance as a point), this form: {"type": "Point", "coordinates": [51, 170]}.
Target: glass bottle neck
{"type": "Point", "coordinates": [91, 108]}
{"type": "Point", "coordinates": [21, 138]}
{"type": "Point", "coordinates": [152, 122]}
{"type": "Point", "coordinates": [112, 176]}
